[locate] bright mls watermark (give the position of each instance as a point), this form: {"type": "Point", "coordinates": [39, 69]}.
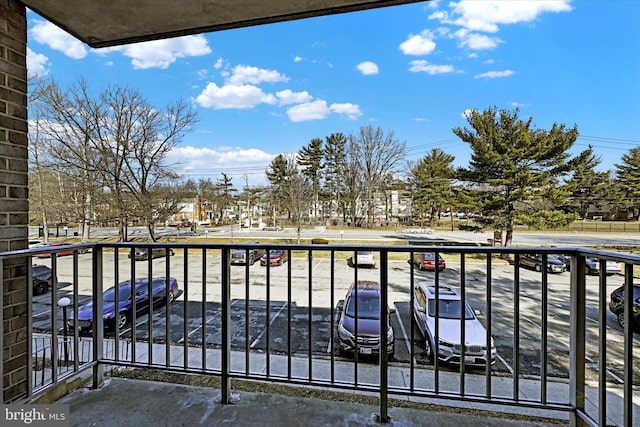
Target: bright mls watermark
{"type": "Point", "coordinates": [35, 415]}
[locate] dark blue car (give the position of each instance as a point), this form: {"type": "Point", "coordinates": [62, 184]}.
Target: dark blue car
{"type": "Point", "coordinates": [161, 293]}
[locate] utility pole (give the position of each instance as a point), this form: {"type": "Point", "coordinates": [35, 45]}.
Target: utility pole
{"type": "Point", "coordinates": [246, 190]}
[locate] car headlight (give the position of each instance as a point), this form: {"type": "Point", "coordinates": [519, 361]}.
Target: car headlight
{"type": "Point", "coordinates": [109, 314]}
{"type": "Point", "coordinates": [344, 332]}
{"type": "Point", "coordinates": [445, 343]}
{"type": "Point", "coordinates": [493, 343]}
{"type": "Point", "coordinates": [390, 335]}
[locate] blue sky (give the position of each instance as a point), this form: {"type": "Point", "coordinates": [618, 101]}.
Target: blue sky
{"type": "Point", "coordinates": [414, 69]}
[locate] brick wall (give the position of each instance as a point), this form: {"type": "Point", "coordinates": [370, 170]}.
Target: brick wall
{"type": "Point", "coordinates": [14, 197]}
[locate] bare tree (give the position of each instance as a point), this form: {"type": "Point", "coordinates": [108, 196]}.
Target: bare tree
{"type": "Point", "coordinates": [120, 142]}
{"type": "Point", "coordinates": [375, 156]}
{"type": "Point", "coordinates": [296, 194]}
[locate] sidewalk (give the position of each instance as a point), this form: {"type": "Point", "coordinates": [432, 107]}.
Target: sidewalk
{"type": "Point", "coordinates": [174, 404]}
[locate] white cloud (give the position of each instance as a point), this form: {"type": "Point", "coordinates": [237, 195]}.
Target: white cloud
{"type": "Point", "coordinates": [288, 97]}
{"type": "Point", "coordinates": [233, 96]}
{"type": "Point", "coordinates": [479, 41]}
{"type": "Point", "coordinates": [316, 110]}
{"type": "Point", "coordinates": [46, 33]}
{"type": "Point", "coordinates": [517, 104]}
{"type": "Point", "coordinates": [467, 113]}
{"type": "Point", "coordinates": [242, 74]}
{"type": "Point", "coordinates": [495, 74]}
{"type": "Point", "coordinates": [422, 66]}
{"type": "Point", "coordinates": [162, 53]}
{"type": "Point", "coordinates": [208, 162]}
{"type": "Point", "coordinates": [36, 64]}
{"type": "Point", "coordinates": [352, 111]}
{"type": "Point", "coordinates": [218, 64]}
{"type": "Point", "coordinates": [367, 68]}
{"type": "Point", "coordinates": [488, 15]}
{"type": "Point", "coordinates": [419, 44]}
{"type": "Point", "coordinates": [297, 58]}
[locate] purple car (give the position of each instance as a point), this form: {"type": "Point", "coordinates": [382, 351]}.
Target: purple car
{"type": "Point", "coordinates": [161, 294]}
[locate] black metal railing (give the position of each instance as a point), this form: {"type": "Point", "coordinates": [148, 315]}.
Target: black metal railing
{"type": "Point", "coordinates": [557, 342]}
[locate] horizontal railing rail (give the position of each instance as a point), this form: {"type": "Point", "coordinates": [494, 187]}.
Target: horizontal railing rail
{"type": "Point", "coordinates": [530, 332]}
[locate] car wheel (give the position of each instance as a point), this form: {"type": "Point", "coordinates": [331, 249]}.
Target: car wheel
{"type": "Point", "coordinates": [123, 319]}
{"type": "Point", "coordinates": [171, 297]}
{"type": "Point", "coordinates": [620, 316]}
{"type": "Point", "coordinates": [588, 271]}
{"type": "Point", "coordinates": [538, 268]}
{"type": "Point", "coordinates": [251, 260]}
{"type": "Point", "coordinates": [428, 349]}
{"type": "Point", "coordinates": [41, 288]}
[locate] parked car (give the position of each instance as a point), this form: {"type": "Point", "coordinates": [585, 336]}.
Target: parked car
{"type": "Point", "coordinates": [534, 261]}
{"type": "Point", "coordinates": [59, 253]}
{"type": "Point", "coordinates": [139, 254]}
{"type": "Point", "coordinates": [239, 256]}
{"type": "Point", "coordinates": [451, 311]}
{"type": "Point", "coordinates": [367, 313]}
{"type": "Point", "coordinates": [616, 305]}
{"type": "Point", "coordinates": [161, 293]}
{"type": "Point", "coordinates": [363, 259]}
{"type": "Point", "coordinates": [593, 266]}
{"type": "Point", "coordinates": [275, 257]}
{"type": "Point", "coordinates": [41, 278]}
{"type": "Point", "coordinates": [427, 261]}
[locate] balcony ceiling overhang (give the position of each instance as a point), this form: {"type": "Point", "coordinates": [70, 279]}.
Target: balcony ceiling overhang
{"type": "Point", "coordinates": [101, 23]}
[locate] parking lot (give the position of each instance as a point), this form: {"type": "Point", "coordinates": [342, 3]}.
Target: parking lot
{"type": "Point", "coordinates": [308, 324]}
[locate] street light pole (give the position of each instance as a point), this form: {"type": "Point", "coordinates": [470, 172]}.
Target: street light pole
{"type": "Point", "coordinates": [64, 302]}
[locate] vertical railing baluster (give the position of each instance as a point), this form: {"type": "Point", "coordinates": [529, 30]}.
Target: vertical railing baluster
{"type": "Point", "coordinates": [310, 317]}
{"type": "Point", "coordinates": [516, 328]}
{"type": "Point", "coordinates": [577, 325]}
{"type": "Point", "coordinates": [185, 311]}
{"type": "Point", "coordinates": [544, 330]}
{"type": "Point", "coordinates": [384, 319]}
{"type": "Point", "coordinates": [226, 326]}
{"type": "Point", "coordinates": [333, 315]}
{"type": "Point", "coordinates": [268, 316]}
{"type": "Point", "coordinates": [203, 307]}
{"type": "Point", "coordinates": [289, 316]}
{"type": "Point", "coordinates": [150, 302]}
{"type": "Point", "coordinates": [628, 345]}
{"type": "Point", "coordinates": [463, 330]}
{"type": "Point", "coordinates": [134, 308]}
{"type": "Point", "coordinates": [247, 317]}
{"type": "Point", "coordinates": [167, 303]}
{"type": "Point", "coordinates": [97, 321]}
{"type": "Point", "coordinates": [602, 349]}
{"type": "Point", "coordinates": [412, 331]}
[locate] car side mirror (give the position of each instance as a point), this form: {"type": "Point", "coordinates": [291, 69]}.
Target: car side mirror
{"type": "Point", "coordinates": [478, 312]}
{"type": "Point", "coordinates": [340, 305]}
{"type": "Point", "coordinates": [421, 309]}
{"type": "Point", "coordinates": [392, 310]}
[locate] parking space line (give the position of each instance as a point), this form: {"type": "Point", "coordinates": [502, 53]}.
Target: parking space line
{"type": "Point", "coordinates": [206, 322]}
{"type": "Point", "coordinates": [253, 344]}
{"type": "Point", "coordinates": [404, 332]}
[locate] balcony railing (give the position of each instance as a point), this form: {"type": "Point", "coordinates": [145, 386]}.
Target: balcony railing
{"type": "Point", "coordinates": [559, 348]}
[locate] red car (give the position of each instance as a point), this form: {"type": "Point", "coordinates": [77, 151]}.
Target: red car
{"type": "Point", "coordinates": [275, 257]}
{"type": "Point", "coordinates": [60, 253]}
{"type": "Point", "coordinates": [427, 261]}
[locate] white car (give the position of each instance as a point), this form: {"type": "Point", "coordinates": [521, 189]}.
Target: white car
{"type": "Point", "coordinates": [476, 353]}
{"type": "Point", "coordinates": [593, 266]}
{"type": "Point", "coordinates": [363, 259]}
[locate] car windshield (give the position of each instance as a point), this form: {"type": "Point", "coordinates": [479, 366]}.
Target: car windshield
{"type": "Point", "coordinates": [368, 307]}
{"type": "Point", "coordinates": [449, 309]}
{"type": "Point", "coordinates": [365, 253]}
{"type": "Point", "coordinates": [124, 294]}
{"type": "Point", "coordinates": [40, 269]}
